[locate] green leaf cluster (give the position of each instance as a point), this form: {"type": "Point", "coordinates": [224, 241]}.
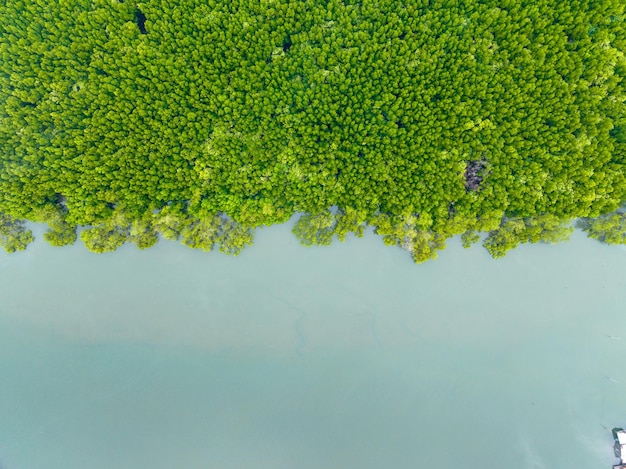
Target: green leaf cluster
{"type": "Point", "coordinates": [13, 234]}
{"type": "Point", "coordinates": [512, 232]}
{"type": "Point", "coordinates": [609, 228]}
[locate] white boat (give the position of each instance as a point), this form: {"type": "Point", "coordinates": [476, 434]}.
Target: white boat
{"type": "Point", "coordinates": [619, 435]}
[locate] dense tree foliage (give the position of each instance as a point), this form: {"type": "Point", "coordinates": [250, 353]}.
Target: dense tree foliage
{"type": "Point", "coordinates": [609, 228]}
{"type": "Point", "coordinates": [200, 120]}
{"type": "Point", "coordinates": [13, 235]}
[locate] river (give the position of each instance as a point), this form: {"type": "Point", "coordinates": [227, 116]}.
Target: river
{"type": "Point", "coordinates": [348, 356]}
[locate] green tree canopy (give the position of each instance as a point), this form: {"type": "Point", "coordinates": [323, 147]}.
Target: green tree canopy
{"type": "Point", "coordinates": [202, 119]}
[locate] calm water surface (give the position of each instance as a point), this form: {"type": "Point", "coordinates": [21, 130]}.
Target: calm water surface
{"type": "Point", "coordinates": [285, 357]}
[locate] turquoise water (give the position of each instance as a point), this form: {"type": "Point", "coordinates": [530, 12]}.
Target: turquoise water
{"type": "Point", "coordinates": [285, 357]}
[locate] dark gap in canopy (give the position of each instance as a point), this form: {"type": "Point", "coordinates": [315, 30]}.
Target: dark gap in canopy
{"type": "Point", "coordinates": [287, 44]}
{"type": "Point", "coordinates": [140, 20]}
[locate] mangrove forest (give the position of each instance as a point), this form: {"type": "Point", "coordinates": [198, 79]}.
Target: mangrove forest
{"type": "Point", "coordinates": [503, 121]}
